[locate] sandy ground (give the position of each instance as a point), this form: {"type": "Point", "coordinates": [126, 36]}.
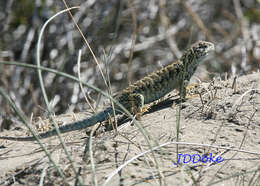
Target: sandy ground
{"type": "Point", "coordinates": [224, 122]}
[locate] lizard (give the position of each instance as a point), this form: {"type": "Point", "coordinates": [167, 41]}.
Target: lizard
{"type": "Point", "coordinates": [143, 92]}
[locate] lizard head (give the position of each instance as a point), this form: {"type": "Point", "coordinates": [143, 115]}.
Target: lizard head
{"type": "Point", "coordinates": [201, 49]}
{"type": "Point", "coordinates": [198, 51]}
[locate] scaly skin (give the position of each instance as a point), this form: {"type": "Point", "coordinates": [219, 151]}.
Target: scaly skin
{"type": "Point", "coordinates": [144, 91]}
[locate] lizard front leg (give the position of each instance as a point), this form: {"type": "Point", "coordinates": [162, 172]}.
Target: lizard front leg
{"type": "Point", "coordinates": [182, 89]}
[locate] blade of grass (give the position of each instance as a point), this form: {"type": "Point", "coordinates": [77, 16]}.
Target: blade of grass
{"type": "Point", "coordinates": [80, 84]}
{"type": "Point", "coordinates": [43, 88]}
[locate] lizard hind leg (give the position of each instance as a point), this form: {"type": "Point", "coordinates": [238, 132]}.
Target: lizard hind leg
{"type": "Point", "coordinates": [137, 105]}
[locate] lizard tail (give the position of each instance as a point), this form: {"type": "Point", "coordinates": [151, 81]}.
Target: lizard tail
{"type": "Point", "coordinates": [99, 117]}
